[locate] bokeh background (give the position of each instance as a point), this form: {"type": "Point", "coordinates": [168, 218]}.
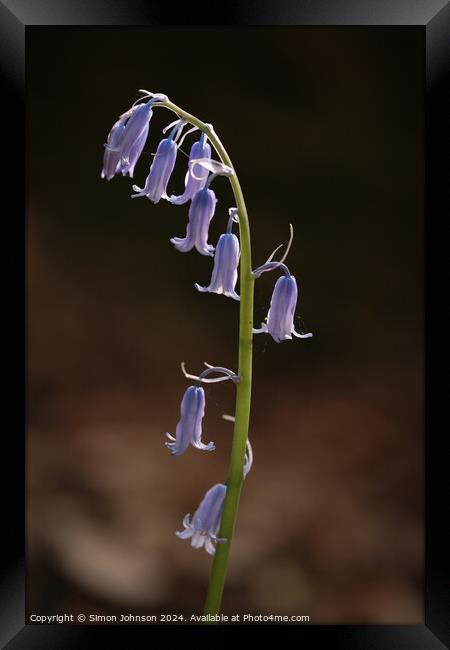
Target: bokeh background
{"type": "Point", "coordinates": [325, 128]}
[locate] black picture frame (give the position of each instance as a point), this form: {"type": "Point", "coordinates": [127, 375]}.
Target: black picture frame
{"type": "Point", "coordinates": [16, 18]}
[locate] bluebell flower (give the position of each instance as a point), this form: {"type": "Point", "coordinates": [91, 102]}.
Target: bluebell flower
{"type": "Point", "coordinates": [160, 170]}
{"type": "Point", "coordinates": [126, 140]}
{"type": "Point", "coordinates": [127, 167]}
{"type": "Point", "coordinates": [226, 260]}
{"type": "Point", "coordinates": [136, 124]}
{"type": "Point", "coordinates": [112, 154]}
{"type": "Point", "coordinates": [280, 318]}
{"type": "Point", "coordinates": [189, 428]}
{"type": "Point", "coordinates": [201, 211]}
{"type": "Point", "coordinates": [205, 524]}
{"type": "Point", "coordinates": [196, 177]}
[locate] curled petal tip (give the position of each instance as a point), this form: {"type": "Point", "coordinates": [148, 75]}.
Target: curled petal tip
{"type": "Point", "coordinates": [302, 336]}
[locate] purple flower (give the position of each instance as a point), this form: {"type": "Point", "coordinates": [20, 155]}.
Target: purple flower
{"type": "Point", "coordinates": [200, 149]}
{"type": "Point", "coordinates": [189, 428]}
{"type": "Point", "coordinates": [137, 122]}
{"type": "Point", "coordinates": [135, 152]}
{"type": "Point", "coordinates": [161, 168]}
{"type": "Point", "coordinates": [201, 212]}
{"type": "Point", "coordinates": [205, 524]}
{"type": "Point", "coordinates": [126, 140]}
{"type": "Point", "coordinates": [224, 274]}
{"type": "Point", "coordinates": [112, 153]}
{"type": "Point", "coordinates": [280, 318]}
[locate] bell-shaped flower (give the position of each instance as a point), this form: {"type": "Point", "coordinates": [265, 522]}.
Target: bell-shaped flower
{"type": "Point", "coordinates": [160, 170]}
{"type": "Point", "coordinates": [127, 167]}
{"type": "Point", "coordinates": [189, 428]}
{"type": "Point", "coordinates": [136, 124]}
{"type": "Point", "coordinates": [280, 318]}
{"type": "Point", "coordinates": [112, 154]}
{"type": "Point", "coordinates": [205, 524]}
{"type": "Point", "coordinates": [196, 177]}
{"type": "Point", "coordinates": [126, 140]}
{"type": "Point", "coordinates": [226, 260]}
{"type": "Point", "coordinates": [201, 211]}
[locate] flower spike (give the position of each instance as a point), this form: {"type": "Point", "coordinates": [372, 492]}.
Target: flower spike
{"type": "Point", "coordinates": [125, 144]}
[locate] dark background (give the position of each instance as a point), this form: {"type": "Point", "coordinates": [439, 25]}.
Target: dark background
{"type": "Point", "coordinates": [325, 129]}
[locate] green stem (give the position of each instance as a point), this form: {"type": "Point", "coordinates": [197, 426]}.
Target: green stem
{"type": "Point", "coordinates": [243, 389]}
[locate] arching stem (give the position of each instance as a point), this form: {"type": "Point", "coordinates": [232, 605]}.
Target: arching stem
{"type": "Point", "coordinates": [243, 388]}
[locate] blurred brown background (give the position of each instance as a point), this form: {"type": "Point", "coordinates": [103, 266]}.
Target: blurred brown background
{"type": "Point", "coordinates": [325, 128]}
